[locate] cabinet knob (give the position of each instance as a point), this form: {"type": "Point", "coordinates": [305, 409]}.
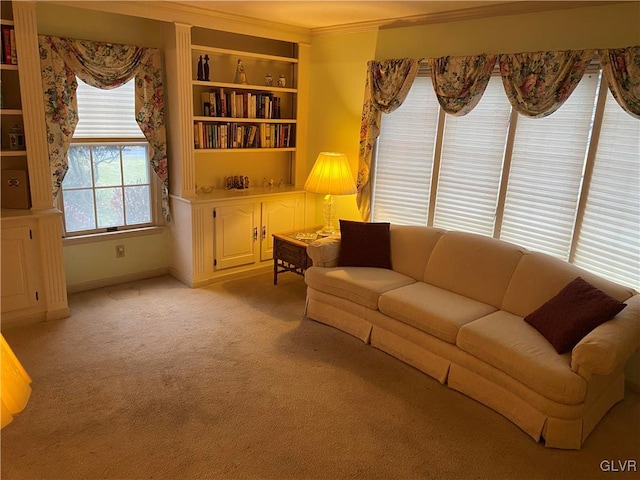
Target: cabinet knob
{"type": "Point", "coordinates": [264, 232]}
{"type": "Point", "coordinates": [255, 233]}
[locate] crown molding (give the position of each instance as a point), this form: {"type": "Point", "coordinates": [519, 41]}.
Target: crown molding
{"type": "Point", "coordinates": [175, 12]}
{"type": "Point", "coordinates": [474, 13]}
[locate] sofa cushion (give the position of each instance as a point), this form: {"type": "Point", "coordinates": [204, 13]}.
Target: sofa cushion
{"type": "Point", "coordinates": [576, 310]}
{"type": "Point", "coordinates": [510, 344]}
{"type": "Point", "coordinates": [364, 244]}
{"type": "Point", "coordinates": [411, 247]}
{"type": "Point", "coordinates": [362, 285]}
{"type": "Point", "coordinates": [431, 309]}
{"type": "Point", "coordinates": [538, 277]}
{"type": "Point", "coordinates": [473, 265]}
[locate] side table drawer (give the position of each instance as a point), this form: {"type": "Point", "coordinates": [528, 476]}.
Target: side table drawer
{"type": "Point", "coordinates": [292, 254]}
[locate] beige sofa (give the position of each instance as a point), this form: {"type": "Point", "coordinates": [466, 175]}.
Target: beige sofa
{"type": "Point", "coordinates": [453, 307]}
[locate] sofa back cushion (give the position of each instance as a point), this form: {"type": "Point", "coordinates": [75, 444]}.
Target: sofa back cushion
{"type": "Point", "coordinates": [539, 277]}
{"type": "Point", "coordinates": [473, 265]}
{"type": "Point", "coordinates": [411, 247]}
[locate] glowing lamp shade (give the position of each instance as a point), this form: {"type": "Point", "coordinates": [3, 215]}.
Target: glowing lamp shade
{"type": "Point", "coordinates": [330, 175]}
{"type": "Point", "coordinates": [15, 389]}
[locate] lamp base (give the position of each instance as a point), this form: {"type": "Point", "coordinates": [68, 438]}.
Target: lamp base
{"type": "Point", "coordinates": [329, 212]}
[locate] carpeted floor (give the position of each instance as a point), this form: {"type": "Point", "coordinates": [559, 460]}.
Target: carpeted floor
{"type": "Point", "coordinates": [153, 379]}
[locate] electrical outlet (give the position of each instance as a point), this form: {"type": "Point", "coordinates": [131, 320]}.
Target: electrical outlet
{"type": "Point", "coordinates": [119, 251]}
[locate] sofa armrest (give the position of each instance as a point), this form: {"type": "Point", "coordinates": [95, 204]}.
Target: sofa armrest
{"type": "Point", "coordinates": [325, 251]}
{"type": "Point", "coordinates": [611, 344]}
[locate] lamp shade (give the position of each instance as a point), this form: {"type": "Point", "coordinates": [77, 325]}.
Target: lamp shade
{"type": "Point", "coordinates": [331, 175]}
{"type": "Point", "coordinates": [15, 389]}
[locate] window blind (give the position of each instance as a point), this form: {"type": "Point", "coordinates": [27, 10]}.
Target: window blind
{"type": "Point", "coordinates": [546, 174]}
{"type": "Point", "coordinates": [106, 113]}
{"type": "Point", "coordinates": [471, 164]}
{"type": "Point", "coordinates": [403, 180]}
{"type": "Point", "coordinates": [609, 240]}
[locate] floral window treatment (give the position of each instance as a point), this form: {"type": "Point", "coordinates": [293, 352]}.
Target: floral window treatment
{"type": "Point", "coordinates": [460, 82]}
{"type": "Point", "coordinates": [538, 83]}
{"type": "Point", "coordinates": [106, 66]}
{"type": "Point", "coordinates": [621, 68]}
{"type": "Point", "coordinates": [387, 85]}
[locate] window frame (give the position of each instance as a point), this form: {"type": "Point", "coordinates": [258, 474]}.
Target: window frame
{"type": "Point", "coordinates": [154, 192]}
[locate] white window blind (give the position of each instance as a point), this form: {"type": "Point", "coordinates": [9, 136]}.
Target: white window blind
{"type": "Point", "coordinates": [546, 174]}
{"type": "Point", "coordinates": [609, 240]}
{"type": "Point", "coordinates": [106, 113]}
{"type": "Point", "coordinates": [403, 180]}
{"type": "Point", "coordinates": [471, 164]}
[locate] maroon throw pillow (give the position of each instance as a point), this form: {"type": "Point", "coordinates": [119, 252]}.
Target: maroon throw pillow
{"type": "Point", "coordinates": [364, 244]}
{"type": "Point", "coordinates": [576, 310]}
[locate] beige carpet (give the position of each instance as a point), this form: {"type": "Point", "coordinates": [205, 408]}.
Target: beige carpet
{"type": "Point", "coordinates": [156, 380]}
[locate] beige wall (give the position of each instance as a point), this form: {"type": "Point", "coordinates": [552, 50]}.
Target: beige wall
{"type": "Point", "coordinates": [95, 264]}
{"type": "Point", "coordinates": [593, 27]}
{"type": "Point", "coordinates": [338, 68]}
{"type": "Point", "coordinates": [92, 265]}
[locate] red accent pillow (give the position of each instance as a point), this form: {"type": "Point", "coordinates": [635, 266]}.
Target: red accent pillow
{"type": "Point", "coordinates": [364, 244]}
{"type": "Point", "coordinates": [576, 310]}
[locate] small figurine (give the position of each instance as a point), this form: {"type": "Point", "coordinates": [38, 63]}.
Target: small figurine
{"type": "Point", "coordinates": [200, 69]}
{"type": "Point", "coordinates": [206, 68]}
{"type": "Point", "coordinates": [281, 81]}
{"type": "Point", "coordinates": [281, 183]}
{"type": "Point", "coordinates": [268, 80]}
{"type": "Point", "coordinates": [229, 183]}
{"type": "Point", "coordinates": [246, 182]}
{"type": "Point", "coordinates": [265, 182]}
{"type": "Point", "coordinates": [241, 76]}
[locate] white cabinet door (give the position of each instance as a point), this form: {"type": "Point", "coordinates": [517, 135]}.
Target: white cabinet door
{"type": "Point", "coordinates": [19, 269]}
{"type": "Point", "coordinates": [236, 235]}
{"type": "Point", "coordinates": [281, 215]}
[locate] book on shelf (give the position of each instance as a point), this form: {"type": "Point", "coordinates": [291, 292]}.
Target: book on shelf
{"type": "Point", "coordinates": [9, 54]}
{"type": "Point", "coordinates": [239, 135]}
{"type": "Point", "coordinates": [236, 104]}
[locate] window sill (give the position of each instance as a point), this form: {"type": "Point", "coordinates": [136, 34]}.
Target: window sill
{"type": "Point", "coordinates": [106, 236]}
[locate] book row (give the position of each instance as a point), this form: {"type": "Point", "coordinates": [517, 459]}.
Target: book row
{"type": "Point", "coordinates": [223, 103]}
{"type": "Point", "coordinates": [9, 55]}
{"type": "Point", "coordinates": [235, 135]}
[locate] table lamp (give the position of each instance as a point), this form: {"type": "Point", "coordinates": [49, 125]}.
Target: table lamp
{"type": "Point", "coordinates": [330, 175]}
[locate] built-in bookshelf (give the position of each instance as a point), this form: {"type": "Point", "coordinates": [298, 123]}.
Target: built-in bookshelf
{"type": "Point", "coordinates": [13, 153]}
{"type": "Point", "coordinates": [240, 102]}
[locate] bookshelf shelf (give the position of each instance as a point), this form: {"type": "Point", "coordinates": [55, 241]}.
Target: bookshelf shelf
{"type": "Point", "coordinates": [13, 153]}
{"type": "Point", "coordinates": [244, 120]}
{"type": "Point", "coordinates": [242, 53]}
{"type": "Point", "coordinates": [243, 150]}
{"type": "Point", "coordinates": [240, 86]}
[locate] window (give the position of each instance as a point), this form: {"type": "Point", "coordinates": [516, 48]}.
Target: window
{"type": "Point", "coordinates": [107, 186]}
{"type": "Point", "coordinates": [566, 184]}
{"type": "Point", "coordinates": [407, 140]}
{"type": "Point", "coordinates": [471, 164]}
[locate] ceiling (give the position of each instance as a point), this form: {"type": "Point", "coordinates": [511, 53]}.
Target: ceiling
{"type": "Point", "coordinates": [333, 13]}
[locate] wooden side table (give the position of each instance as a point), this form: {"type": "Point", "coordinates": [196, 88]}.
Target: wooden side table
{"type": "Point", "coordinates": [290, 251]}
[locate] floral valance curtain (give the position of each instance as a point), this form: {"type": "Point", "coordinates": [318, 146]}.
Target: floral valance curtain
{"type": "Point", "coordinates": [460, 82]}
{"type": "Point", "coordinates": [621, 67]}
{"type": "Point", "coordinates": [537, 84]}
{"type": "Point", "coordinates": [106, 66]}
{"type": "Point", "coordinates": [387, 85]}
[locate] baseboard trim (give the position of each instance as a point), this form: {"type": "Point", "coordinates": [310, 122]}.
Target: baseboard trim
{"type": "Point", "coordinates": [110, 281]}
{"type": "Point", "coordinates": [233, 275]}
